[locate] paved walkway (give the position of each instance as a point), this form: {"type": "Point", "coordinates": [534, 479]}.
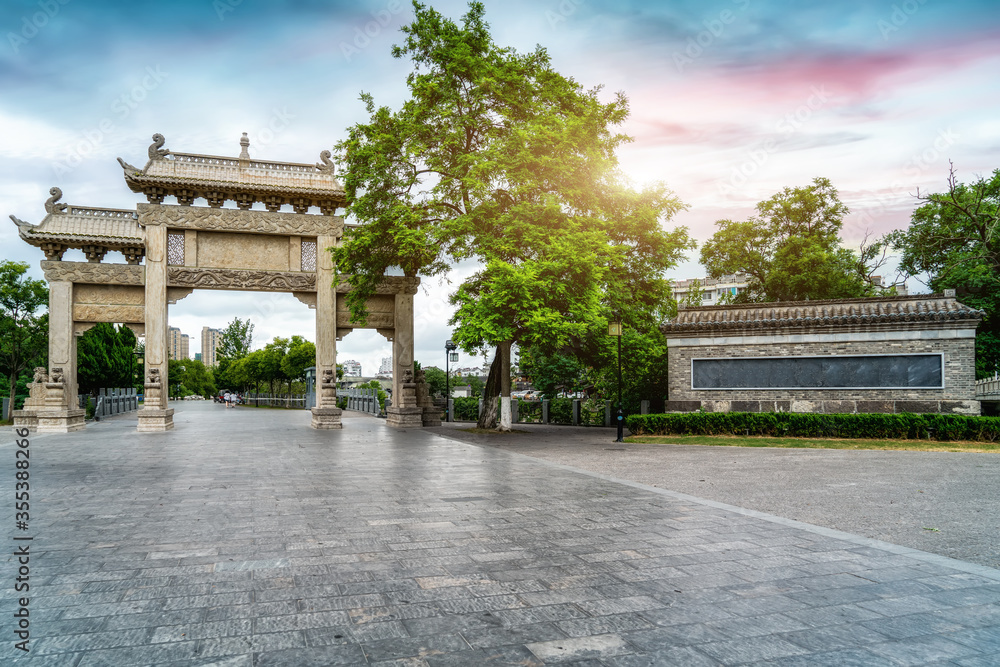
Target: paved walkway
{"type": "Point", "coordinates": [244, 538]}
{"type": "Point", "coordinates": [947, 503]}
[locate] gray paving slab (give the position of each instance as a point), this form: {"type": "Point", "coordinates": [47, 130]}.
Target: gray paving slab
{"type": "Point", "coordinates": [243, 538]}
{"type": "Point", "coordinates": [942, 502]}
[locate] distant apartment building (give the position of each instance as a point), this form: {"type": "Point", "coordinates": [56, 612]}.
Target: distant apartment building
{"type": "Point", "coordinates": [209, 342]}
{"type": "Point", "coordinates": [385, 370]}
{"type": "Point", "coordinates": [352, 369]}
{"type": "Point", "coordinates": [714, 289]}
{"type": "Point", "coordinates": [178, 344]}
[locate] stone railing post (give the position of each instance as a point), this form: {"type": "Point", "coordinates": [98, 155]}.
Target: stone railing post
{"type": "Point", "coordinates": [545, 410]}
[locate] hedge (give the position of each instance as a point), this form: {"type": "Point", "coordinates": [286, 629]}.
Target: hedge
{"type": "Point", "coordinates": [903, 426]}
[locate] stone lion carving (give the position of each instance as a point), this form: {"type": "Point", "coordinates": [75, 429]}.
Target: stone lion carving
{"type": "Point", "coordinates": [154, 376]}
{"type": "Point", "coordinates": [407, 376]}
{"type": "Point", "coordinates": [326, 166]}
{"type": "Point", "coordinates": [57, 376]}
{"type": "Point", "coordinates": [50, 204]}
{"type": "Point", "coordinates": [41, 375]}
{"type": "Point", "coordinates": [156, 150]}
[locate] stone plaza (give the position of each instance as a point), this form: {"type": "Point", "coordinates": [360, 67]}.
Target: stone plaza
{"type": "Point", "coordinates": [244, 538]}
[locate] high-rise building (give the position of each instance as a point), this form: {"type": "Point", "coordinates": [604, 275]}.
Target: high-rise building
{"type": "Point", "coordinates": [386, 367]}
{"type": "Point", "coordinates": [209, 342]}
{"type": "Point", "coordinates": [352, 369]}
{"type": "Point", "coordinates": [178, 344]}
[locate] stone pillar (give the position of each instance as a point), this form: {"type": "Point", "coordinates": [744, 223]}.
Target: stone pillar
{"type": "Point", "coordinates": [155, 415]}
{"type": "Point", "coordinates": [404, 411]}
{"type": "Point", "coordinates": [60, 412]}
{"type": "Point", "coordinates": [326, 414]}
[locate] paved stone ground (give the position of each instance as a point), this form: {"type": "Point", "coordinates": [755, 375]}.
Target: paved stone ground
{"type": "Point", "coordinates": [894, 496]}
{"type": "Point", "coordinates": [245, 538]}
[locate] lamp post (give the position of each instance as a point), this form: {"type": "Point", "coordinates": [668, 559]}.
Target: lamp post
{"type": "Point", "coordinates": [450, 355]}
{"type": "Point", "coordinates": [615, 329]}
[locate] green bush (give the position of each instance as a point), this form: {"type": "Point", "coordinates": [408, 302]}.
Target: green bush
{"type": "Point", "coordinates": [529, 412]}
{"type": "Point", "coordinates": [561, 411]}
{"type": "Point", "coordinates": [466, 409]}
{"type": "Point", "coordinates": [903, 426]}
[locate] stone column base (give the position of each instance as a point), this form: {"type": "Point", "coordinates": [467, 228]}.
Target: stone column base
{"type": "Point", "coordinates": [61, 421]}
{"type": "Point", "coordinates": [326, 418]}
{"type": "Point", "coordinates": [152, 420]}
{"type": "Point", "coordinates": [431, 416]}
{"type": "Point", "coordinates": [405, 417]}
{"type": "Point", "coordinates": [26, 419]}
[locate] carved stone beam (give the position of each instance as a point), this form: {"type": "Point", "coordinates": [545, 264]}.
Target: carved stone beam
{"type": "Point", "coordinates": [175, 294]}
{"type": "Point", "coordinates": [388, 333]}
{"type": "Point", "coordinates": [308, 298]}
{"type": "Point", "coordinates": [343, 332]}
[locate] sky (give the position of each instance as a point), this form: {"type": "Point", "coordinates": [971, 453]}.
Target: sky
{"type": "Point", "coordinates": [731, 101]}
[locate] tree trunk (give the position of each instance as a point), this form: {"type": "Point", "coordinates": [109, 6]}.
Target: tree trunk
{"type": "Point", "coordinates": [13, 395]}
{"type": "Point", "coordinates": [503, 351]}
{"type": "Point", "coordinates": [488, 418]}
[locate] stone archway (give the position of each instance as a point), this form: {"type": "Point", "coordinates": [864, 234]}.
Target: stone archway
{"type": "Point", "coordinates": [188, 247]}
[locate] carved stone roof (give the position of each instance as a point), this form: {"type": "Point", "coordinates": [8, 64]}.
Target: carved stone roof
{"type": "Point", "coordinates": [916, 311]}
{"type": "Point", "coordinates": [76, 226]}
{"type": "Point", "coordinates": [241, 179]}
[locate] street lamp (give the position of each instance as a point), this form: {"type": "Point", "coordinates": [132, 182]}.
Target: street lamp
{"type": "Point", "coordinates": [450, 355]}
{"type": "Point", "coordinates": [615, 329]}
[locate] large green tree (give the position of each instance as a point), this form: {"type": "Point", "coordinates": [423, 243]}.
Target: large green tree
{"type": "Point", "coordinates": [791, 249]}
{"type": "Point", "coordinates": [497, 158]}
{"type": "Point", "coordinates": [954, 238]}
{"type": "Point", "coordinates": [106, 358]}
{"type": "Point", "coordinates": [192, 377]}
{"type": "Point", "coordinates": [234, 344]}
{"type": "Point", "coordinates": [23, 331]}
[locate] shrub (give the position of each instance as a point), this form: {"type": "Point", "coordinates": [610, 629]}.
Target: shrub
{"type": "Point", "coordinates": [466, 408]}
{"type": "Point", "coordinates": [903, 426]}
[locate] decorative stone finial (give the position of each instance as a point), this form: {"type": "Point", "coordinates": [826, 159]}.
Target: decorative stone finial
{"type": "Point", "coordinates": [127, 167]}
{"type": "Point", "coordinates": [326, 166]}
{"type": "Point", "coordinates": [51, 206]}
{"type": "Point", "coordinates": [156, 150]}
{"type": "Point", "coordinates": [244, 144]}
{"type": "Point", "coordinates": [21, 224]}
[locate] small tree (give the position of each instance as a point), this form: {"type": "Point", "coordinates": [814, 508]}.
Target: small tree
{"type": "Point", "coordinates": [23, 338]}
{"type": "Point", "coordinates": [791, 249]}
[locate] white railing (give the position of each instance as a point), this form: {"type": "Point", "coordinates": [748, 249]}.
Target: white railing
{"type": "Point", "coordinates": [988, 386]}
{"type": "Point", "coordinates": [295, 401]}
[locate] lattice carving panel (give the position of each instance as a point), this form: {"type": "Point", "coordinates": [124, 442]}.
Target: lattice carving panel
{"type": "Point", "coordinates": [308, 255]}
{"type": "Point", "coordinates": [175, 249]}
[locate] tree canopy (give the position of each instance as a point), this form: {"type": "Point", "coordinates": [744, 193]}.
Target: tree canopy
{"type": "Point", "coordinates": [954, 237]}
{"type": "Point", "coordinates": [106, 358]}
{"type": "Point", "coordinates": [23, 331]}
{"type": "Point", "coordinates": [497, 158]}
{"type": "Point", "coordinates": [791, 249]}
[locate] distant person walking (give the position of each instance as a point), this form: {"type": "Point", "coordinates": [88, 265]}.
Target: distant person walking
{"type": "Point", "coordinates": [229, 399]}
